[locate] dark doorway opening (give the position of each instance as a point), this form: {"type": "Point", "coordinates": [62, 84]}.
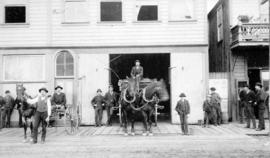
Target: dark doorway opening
{"type": "Point", "coordinates": [156, 66]}
{"type": "Point", "coordinates": [254, 76]}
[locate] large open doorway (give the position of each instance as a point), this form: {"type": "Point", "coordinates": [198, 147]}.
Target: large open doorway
{"type": "Point", "coordinates": [156, 66]}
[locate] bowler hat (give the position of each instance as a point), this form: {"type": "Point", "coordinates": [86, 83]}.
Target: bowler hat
{"type": "Point", "coordinates": [258, 84]}
{"type": "Point", "coordinates": [99, 90]}
{"type": "Point", "coordinates": [58, 87]}
{"type": "Point", "coordinates": [212, 88]}
{"type": "Point", "coordinates": [182, 95]}
{"type": "Point", "coordinates": [43, 89]}
{"type": "Point", "coordinates": [7, 91]}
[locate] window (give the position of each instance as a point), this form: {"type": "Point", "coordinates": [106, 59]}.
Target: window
{"type": "Point", "coordinates": [148, 13]}
{"type": "Point", "coordinates": [64, 64]}
{"type": "Point", "coordinates": [220, 24]}
{"type": "Point", "coordinates": [181, 10]}
{"type": "Point", "coordinates": [76, 11]}
{"type": "Point", "coordinates": [110, 11]}
{"type": "Point", "coordinates": [24, 67]}
{"type": "Point", "coordinates": [15, 14]}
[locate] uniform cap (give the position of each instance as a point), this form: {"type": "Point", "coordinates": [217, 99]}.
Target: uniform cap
{"type": "Point", "coordinates": [258, 84]}
{"type": "Point", "coordinates": [182, 95]}
{"type": "Point", "coordinates": [43, 89]}
{"type": "Point", "coordinates": [58, 87]}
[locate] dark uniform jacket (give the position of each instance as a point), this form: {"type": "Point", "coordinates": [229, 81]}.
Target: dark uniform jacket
{"type": "Point", "coordinates": [110, 98]}
{"type": "Point", "coordinates": [207, 106]}
{"type": "Point", "coordinates": [98, 101]}
{"type": "Point", "coordinates": [59, 99]}
{"type": "Point", "coordinates": [250, 98]}
{"type": "Point", "coordinates": [137, 71]}
{"type": "Point", "coordinates": [182, 107]}
{"type": "Point", "coordinates": [242, 95]}
{"type": "Point", "coordinates": [2, 102]}
{"type": "Point", "coordinates": [260, 99]}
{"type": "Point", "coordinates": [9, 102]}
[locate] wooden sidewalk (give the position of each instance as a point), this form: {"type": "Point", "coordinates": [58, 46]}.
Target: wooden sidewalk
{"type": "Point", "coordinates": [232, 129]}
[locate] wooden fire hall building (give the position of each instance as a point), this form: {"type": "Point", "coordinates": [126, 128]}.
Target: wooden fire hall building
{"type": "Point", "coordinates": [84, 45]}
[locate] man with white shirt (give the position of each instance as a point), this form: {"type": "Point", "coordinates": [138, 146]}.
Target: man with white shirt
{"type": "Point", "coordinates": [42, 115]}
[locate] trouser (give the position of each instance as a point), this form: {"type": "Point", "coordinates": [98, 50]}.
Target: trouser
{"type": "Point", "coordinates": [20, 118]}
{"type": "Point", "coordinates": [98, 115]}
{"type": "Point", "coordinates": [184, 125]}
{"type": "Point", "coordinates": [242, 113]}
{"type": "Point", "coordinates": [138, 79]}
{"type": "Point", "coordinates": [0, 119]}
{"type": "Point", "coordinates": [218, 114]}
{"type": "Point", "coordinates": [6, 114]}
{"type": "Point", "coordinates": [250, 115]}
{"type": "Point", "coordinates": [40, 117]}
{"type": "Point", "coordinates": [261, 119]}
{"type": "Point", "coordinates": [207, 116]}
{"type": "Point", "coordinates": [109, 110]}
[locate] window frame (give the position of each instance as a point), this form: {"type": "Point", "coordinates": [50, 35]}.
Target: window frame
{"type": "Point", "coordinates": [43, 56]}
{"type": "Point", "coordinates": [99, 11]}
{"type": "Point", "coordinates": [193, 19]}
{"type": "Point", "coordinates": [3, 6]}
{"type": "Point", "coordinates": [55, 65]}
{"type": "Point", "coordinates": [139, 3]}
{"type": "Point", "coordinates": [64, 21]}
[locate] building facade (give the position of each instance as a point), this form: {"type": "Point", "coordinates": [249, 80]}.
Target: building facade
{"type": "Point", "coordinates": [84, 45]}
{"type": "Point", "coordinates": [238, 46]}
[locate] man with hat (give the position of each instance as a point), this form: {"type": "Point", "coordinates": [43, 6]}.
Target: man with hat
{"type": "Point", "coordinates": [7, 109]}
{"type": "Point", "coordinates": [183, 109]}
{"type": "Point", "coordinates": [97, 102]}
{"type": "Point", "coordinates": [208, 111]}
{"type": "Point", "coordinates": [249, 106]}
{"type": "Point", "coordinates": [43, 111]}
{"type": "Point", "coordinates": [216, 101]}
{"type": "Point", "coordinates": [110, 98]}
{"type": "Point", "coordinates": [242, 95]}
{"type": "Point", "coordinates": [260, 102]}
{"type": "Point", "coordinates": [137, 73]}
{"type": "Point", "coordinates": [58, 99]}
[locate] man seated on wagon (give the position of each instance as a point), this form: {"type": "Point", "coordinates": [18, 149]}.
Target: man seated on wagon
{"type": "Point", "coordinates": [58, 100]}
{"type": "Point", "coordinates": [137, 73]}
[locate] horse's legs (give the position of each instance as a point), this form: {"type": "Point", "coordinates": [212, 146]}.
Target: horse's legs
{"type": "Point", "coordinates": [124, 120]}
{"type": "Point", "coordinates": [144, 113]}
{"type": "Point", "coordinates": [150, 120]}
{"type": "Point", "coordinates": [25, 128]}
{"type": "Point", "coordinates": [132, 122]}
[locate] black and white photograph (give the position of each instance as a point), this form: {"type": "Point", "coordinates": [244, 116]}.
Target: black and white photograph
{"type": "Point", "coordinates": [134, 79]}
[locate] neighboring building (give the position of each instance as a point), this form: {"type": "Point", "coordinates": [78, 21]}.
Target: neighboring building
{"type": "Point", "coordinates": [238, 46]}
{"type": "Point", "coordinates": [84, 45]}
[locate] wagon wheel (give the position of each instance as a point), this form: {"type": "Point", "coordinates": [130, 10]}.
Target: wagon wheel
{"type": "Point", "coordinates": [71, 120]}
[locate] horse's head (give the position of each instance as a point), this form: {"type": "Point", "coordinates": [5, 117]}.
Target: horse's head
{"type": "Point", "coordinates": [131, 86]}
{"type": "Point", "coordinates": [160, 89]}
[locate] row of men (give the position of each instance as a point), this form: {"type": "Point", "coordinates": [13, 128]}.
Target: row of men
{"type": "Point", "coordinates": [249, 100]}
{"type": "Point", "coordinates": [211, 108]}
{"type": "Point", "coordinates": [8, 103]}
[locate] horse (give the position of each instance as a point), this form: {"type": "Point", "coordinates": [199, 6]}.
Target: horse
{"type": "Point", "coordinates": [143, 102]}
{"type": "Point", "coordinates": [27, 112]}
{"type": "Point", "coordinates": [151, 95]}
{"type": "Point", "coordinates": [128, 96]}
